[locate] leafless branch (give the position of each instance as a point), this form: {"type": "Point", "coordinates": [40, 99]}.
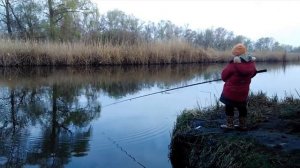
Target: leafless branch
{"type": "Point", "coordinates": [297, 92]}
{"type": "Point", "coordinates": [17, 19]}
{"type": "Point", "coordinates": [2, 20]}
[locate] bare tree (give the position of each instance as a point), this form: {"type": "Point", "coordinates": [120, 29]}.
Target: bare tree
{"type": "Point", "coordinates": [6, 16]}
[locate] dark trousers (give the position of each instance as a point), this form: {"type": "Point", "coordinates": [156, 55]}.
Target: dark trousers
{"type": "Point", "coordinates": [229, 110]}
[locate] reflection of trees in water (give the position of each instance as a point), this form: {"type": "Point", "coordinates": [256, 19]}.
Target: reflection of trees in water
{"type": "Point", "coordinates": [56, 147]}
{"type": "Point", "coordinates": [60, 114]}
{"type": "Point", "coordinates": [116, 81]}
{"type": "Point", "coordinates": [16, 114]}
{"type": "Point", "coordinates": [13, 149]}
{"type": "Point", "coordinates": [119, 81]}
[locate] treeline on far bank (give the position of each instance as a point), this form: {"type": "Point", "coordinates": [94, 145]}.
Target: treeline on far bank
{"type": "Point", "coordinates": [74, 32]}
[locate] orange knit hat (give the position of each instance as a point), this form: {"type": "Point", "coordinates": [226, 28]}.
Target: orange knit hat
{"type": "Point", "coordinates": [238, 49]}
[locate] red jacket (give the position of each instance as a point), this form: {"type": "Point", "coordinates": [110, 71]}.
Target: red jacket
{"type": "Point", "coordinates": [237, 78]}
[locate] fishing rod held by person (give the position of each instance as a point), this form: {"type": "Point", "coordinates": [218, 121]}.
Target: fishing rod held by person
{"type": "Point", "coordinates": [199, 83]}
{"type": "Point", "coordinates": [261, 71]}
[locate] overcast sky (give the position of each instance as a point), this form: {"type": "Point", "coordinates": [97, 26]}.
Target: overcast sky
{"type": "Point", "coordinates": [279, 19]}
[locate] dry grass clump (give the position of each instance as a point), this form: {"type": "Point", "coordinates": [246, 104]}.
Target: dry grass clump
{"type": "Point", "coordinates": [270, 56]}
{"type": "Point", "coordinates": [226, 151]}
{"type": "Point", "coordinates": [273, 56]}
{"type": "Point", "coordinates": [219, 56]}
{"type": "Point", "coordinates": [293, 57]}
{"type": "Point", "coordinates": [261, 56]}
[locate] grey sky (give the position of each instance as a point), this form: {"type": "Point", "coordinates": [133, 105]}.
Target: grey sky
{"type": "Point", "coordinates": [254, 19]}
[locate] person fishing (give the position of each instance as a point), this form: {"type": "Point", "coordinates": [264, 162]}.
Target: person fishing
{"type": "Point", "coordinates": [237, 76]}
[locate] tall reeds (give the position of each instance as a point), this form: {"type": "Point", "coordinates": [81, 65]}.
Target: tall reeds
{"type": "Point", "coordinates": [22, 53]}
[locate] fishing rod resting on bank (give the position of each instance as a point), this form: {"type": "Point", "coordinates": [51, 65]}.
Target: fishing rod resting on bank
{"type": "Point", "coordinates": [199, 83]}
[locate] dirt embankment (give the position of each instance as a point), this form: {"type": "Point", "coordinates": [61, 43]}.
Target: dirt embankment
{"type": "Point", "coordinates": [273, 138]}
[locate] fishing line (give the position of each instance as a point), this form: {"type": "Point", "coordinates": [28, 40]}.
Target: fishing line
{"type": "Point", "coordinates": [123, 150]}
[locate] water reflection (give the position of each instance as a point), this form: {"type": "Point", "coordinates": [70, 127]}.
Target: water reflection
{"type": "Point", "coordinates": [47, 113]}
{"type": "Point", "coordinates": [116, 82]}
{"type": "Point", "coordinates": [57, 111]}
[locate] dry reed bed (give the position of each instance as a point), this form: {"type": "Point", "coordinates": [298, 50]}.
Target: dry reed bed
{"type": "Point", "coordinates": [14, 53]}
{"type": "Point", "coordinates": [19, 53]}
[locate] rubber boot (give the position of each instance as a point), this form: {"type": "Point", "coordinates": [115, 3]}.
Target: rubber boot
{"type": "Point", "coordinates": [229, 123]}
{"type": "Point", "coordinates": [242, 124]}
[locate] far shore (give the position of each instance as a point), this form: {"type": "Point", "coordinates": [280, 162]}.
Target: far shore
{"type": "Point", "coordinates": [32, 53]}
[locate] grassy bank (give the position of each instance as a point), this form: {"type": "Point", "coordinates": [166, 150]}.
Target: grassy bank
{"type": "Point", "coordinates": [272, 141]}
{"type": "Point", "coordinates": [19, 53]}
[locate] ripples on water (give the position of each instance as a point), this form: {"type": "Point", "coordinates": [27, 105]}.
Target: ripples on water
{"type": "Point", "coordinates": [56, 117]}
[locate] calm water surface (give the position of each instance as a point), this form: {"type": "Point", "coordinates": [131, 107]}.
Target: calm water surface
{"type": "Point", "coordinates": [60, 118]}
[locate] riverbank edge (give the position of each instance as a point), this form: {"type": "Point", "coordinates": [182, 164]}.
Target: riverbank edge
{"type": "Point", "coordinates": [273, 138]}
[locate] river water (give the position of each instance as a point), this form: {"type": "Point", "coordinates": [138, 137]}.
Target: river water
{"type": "Point", "coordinates": [62, 117]}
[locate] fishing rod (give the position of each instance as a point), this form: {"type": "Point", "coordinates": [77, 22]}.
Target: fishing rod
{"type": "Point", "coordinates": [199, 83]}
